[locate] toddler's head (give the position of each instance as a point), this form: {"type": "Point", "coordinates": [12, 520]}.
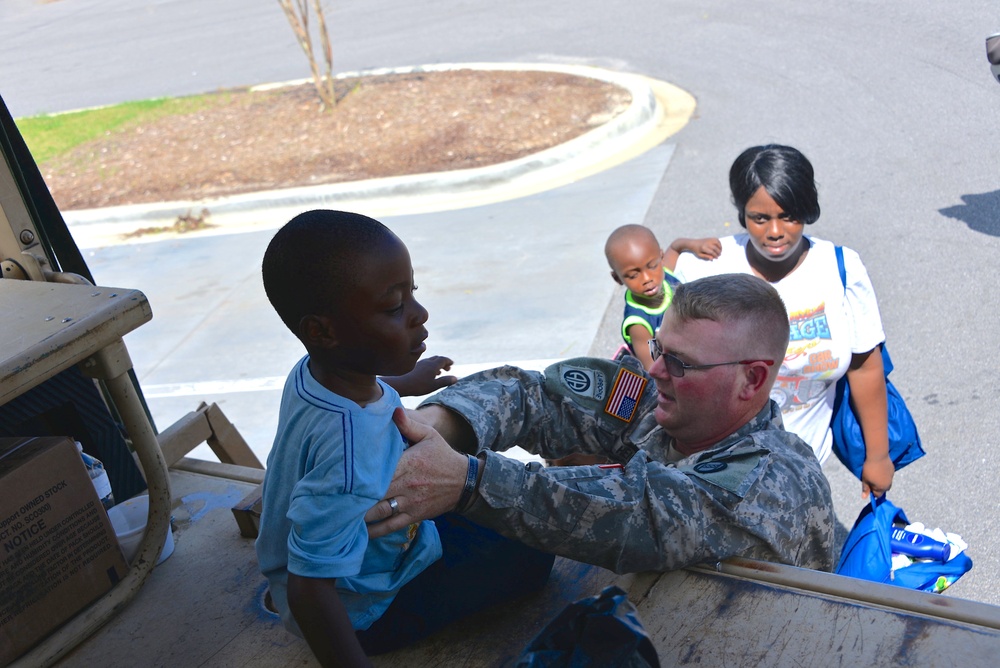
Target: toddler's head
{"type": "Point", "coordinates": [636, 261]}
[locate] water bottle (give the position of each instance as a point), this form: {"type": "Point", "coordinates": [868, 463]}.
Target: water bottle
{"type": "Point", "coordinates": [918, 545]}
{"type": "Point", "coordinates": [98, 476]}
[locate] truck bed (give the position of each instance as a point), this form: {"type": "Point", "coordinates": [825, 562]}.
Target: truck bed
{"type": "Point", "coordinates": [203, 607]}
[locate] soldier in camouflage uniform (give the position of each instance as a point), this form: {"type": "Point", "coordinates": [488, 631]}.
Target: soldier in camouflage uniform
{"type": "Point", "coordinates": [727, 480]}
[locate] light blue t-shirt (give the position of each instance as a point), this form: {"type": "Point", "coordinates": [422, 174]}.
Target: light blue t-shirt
{"type": "Point", "coordinates": [332, 460]}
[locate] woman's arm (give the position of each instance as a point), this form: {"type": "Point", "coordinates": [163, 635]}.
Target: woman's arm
{"type": "Point", "coordinates": [324, 621]}
{"type": "Point", "coordinates": [866, 378]}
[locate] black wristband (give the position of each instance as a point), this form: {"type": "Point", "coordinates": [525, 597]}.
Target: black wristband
{"type": "Point", "coordinates": [471, 476]}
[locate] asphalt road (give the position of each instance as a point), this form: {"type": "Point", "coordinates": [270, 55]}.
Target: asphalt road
{"type": "Point", "coordinates": [893, 103]}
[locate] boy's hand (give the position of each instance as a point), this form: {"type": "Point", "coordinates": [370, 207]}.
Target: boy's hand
{"type": "Point", "coordinates": [706, 249]}
{"type": "Point", "coordinates": [424, 378]}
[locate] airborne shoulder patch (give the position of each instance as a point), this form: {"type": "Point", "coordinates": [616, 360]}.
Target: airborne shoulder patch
{"type": "Point", "coordinates": [582, 380]}
{"type": "Point", "coordinates": [625, 394]}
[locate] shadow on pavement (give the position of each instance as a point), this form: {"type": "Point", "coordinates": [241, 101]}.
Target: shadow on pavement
{"type": "Point", "coordinates": [980, 211]}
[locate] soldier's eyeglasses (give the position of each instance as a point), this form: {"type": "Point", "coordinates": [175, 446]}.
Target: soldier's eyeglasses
{"type": "Point", "coordinates": [676, 367]}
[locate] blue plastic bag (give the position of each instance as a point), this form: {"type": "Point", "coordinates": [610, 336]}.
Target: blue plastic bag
{"type": "Point", "coordinates": [848, 443]}
{"type": "Point", "coordinates": [603, 630]}
{"type": "Point", "coordinates": [867, 553]}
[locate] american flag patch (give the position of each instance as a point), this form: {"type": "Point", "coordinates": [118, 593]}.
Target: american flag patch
{"type": "Point", "coordinates": [625, 395]}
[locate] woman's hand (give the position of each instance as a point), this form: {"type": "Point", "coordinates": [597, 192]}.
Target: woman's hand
{"type": "Point", "coordinates": [876, 476]}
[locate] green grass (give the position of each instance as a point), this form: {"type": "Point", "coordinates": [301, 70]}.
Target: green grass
{"type": "Point", "coordinates": [49, 136]}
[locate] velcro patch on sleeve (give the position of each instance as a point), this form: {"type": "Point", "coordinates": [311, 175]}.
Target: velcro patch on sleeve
{"type": "Point", "coordinates": [735, 473]}
{"type": "Point", "coordinates": [581, 378]}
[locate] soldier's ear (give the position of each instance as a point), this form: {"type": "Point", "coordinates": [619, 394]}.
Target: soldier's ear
{"type": "Point", "coordinates": [753, 379]}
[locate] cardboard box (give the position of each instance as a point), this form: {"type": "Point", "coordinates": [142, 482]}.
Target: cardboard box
{"type": "Point", "coordinates": [58, 552]}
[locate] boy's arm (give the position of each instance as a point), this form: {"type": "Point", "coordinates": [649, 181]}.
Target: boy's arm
{"type": "Point", "coordinates": [671, 254]}
{"type": "Point", "coordinates": [640, 337]}
{"type": "Point", "coordinates": [323, 619]}
{"type": "Point", "coordinates": [708, 248]}
{"type": "Point", "coordinates": [424, 378]}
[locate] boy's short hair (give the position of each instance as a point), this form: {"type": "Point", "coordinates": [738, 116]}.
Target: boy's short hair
{"type": "Point", "coordinates": [626, 233]}
{"type": "Point", "coordinates": [312, 261]}
{"type": "Point", "coordinates": [749, 304]}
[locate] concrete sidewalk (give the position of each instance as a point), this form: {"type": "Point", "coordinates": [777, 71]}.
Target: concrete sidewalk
{"type": "Point", "coordinates": [516, 280]}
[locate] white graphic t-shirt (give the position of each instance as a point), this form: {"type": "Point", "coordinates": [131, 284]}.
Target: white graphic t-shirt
{"type": "Point", "coordinates": [826, 328]}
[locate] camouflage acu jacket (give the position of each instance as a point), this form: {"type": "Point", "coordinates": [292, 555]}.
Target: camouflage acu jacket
{"type": "Point", "coordinates": [760, 493]}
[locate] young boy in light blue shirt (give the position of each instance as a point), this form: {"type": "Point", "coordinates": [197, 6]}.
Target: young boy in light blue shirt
{"type": "Point", "coordinates": [343, 283]}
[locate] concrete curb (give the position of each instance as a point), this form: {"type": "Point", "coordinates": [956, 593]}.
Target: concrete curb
{"type": "Point", "coordinates": [658, 110]}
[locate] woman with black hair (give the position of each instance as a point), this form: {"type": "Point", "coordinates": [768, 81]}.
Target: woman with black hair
{"type": "Point", "coordinates": [835, 325]}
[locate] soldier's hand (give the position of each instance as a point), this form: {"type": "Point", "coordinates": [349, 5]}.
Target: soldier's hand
{"type": "Point", "coordinates": [428, 481]}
